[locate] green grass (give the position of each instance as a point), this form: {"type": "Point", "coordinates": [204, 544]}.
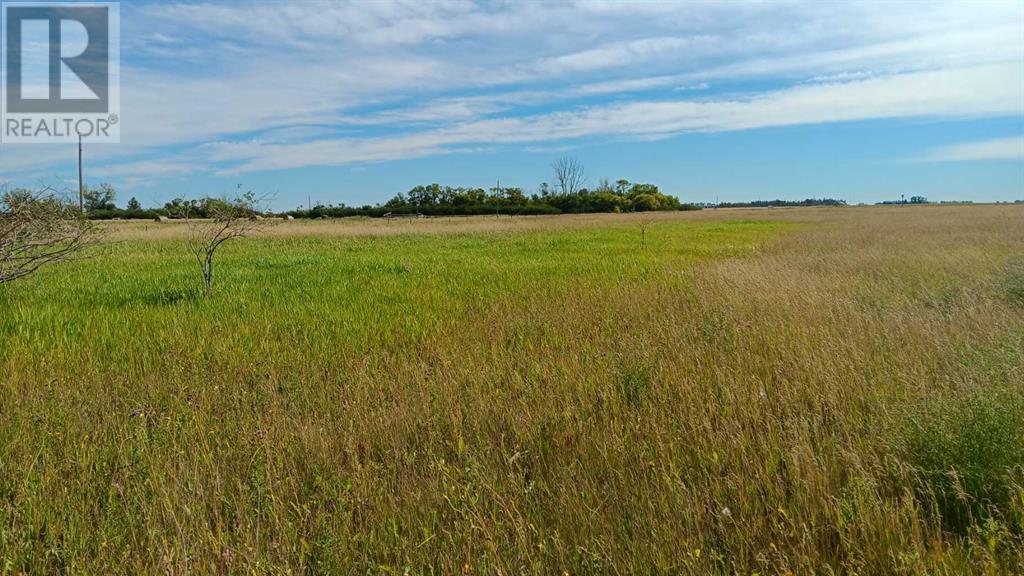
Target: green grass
{"type": "Point", "coordinates": [1015, 281]}
{"type": "Point", "coordinates": [966, 446]}
{"type": "Point", "coordinates": [117, 369]}
{"type": "Point", "coordinates": [730, 398]}
{"type": "Point", "coordinates": [353, 295]}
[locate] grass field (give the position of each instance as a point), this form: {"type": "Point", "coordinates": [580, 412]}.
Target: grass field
{"type": "Point", "coordinates": [736, 391]}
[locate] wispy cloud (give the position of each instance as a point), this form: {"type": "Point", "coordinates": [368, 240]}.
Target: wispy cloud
{"type": "Point", "coordinates": [242, 87]}
{"type": "Point", "coordinates": [973, 92]}
{"type": "Point", "coordinates": [995, 149]}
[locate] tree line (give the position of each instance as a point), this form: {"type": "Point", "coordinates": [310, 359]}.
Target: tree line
{"type": "Point", "coordinates": [431, 200]}
{"type": "Point", "coordinates": [566, 194]}
{"type": "Point", "coordinates": [782, 203]}
{"type": "Point", "coordinates": [438, 200]}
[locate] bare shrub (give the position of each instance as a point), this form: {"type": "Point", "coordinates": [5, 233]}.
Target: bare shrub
{"type": "Point", "coordinates": [39, 228]}
{"type": "Point", "coordinates": [644, 223]}
{"type": "Point", "coordinates": [226, 220]}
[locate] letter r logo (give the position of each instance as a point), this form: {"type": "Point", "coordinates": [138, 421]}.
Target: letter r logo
{"type": "Point", "coordinates": [63, 47]}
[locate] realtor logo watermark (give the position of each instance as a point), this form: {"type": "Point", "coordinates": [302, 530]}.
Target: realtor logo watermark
{"type": "Point", "coordinates": [62, 72]}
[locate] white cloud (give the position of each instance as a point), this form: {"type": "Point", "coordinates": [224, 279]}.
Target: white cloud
{"type": "Point", "coordinates": [972, 92]}
{"type": "Point", "coordinates": [274, 84]}
{"type": "Point", "coordinates": [613, 55]}
{"type": "Point", "coordinates": [995, 149]}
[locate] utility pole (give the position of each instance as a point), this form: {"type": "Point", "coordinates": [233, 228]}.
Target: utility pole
{"type": "Point", "coordinates": [81, 183]}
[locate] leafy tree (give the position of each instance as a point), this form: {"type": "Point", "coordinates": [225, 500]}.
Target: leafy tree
{"type": "Point", "coordinates": [398, 200]}
{"type": "Point", "coordinates": [181, 208]}
{"type": "Point", "coordinates": [134, 205]}
{"type": "Point", "coordinates": [425, 195]}
{"type": "Point", "coordinates": [645, 203]}
{"type": "Point", "coordinates": [510, 196]}
{"type": "Point", "coordinates": [101, 198]}
{"type": "Point", "coordinates": [648, 189]}
{"type": "Point", "coordinates": [605, 201]}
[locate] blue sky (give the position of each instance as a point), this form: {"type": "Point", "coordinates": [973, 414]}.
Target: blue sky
{"type": "Point", "coordinates": [355, 102]}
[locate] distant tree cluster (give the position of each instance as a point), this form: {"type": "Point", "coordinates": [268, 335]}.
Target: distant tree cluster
{"type": "Point", "coordinates": [783, 203]}
{"type": "Point", "coordinates": [437, 200]}
{"type": "Point", "coordinates": [430, 200]}
{"type": "Point", "coordinates": [100, 204]}
{"type": "Point", "coordinates": [913, 200]}
{"type": "Point", "coordinates": [567, 194]}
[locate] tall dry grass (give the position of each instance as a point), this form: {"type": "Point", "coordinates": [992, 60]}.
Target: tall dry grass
{"type": "Point", "coordinates": [759, 410]}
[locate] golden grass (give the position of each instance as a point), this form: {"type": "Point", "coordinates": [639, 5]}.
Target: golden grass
{"type": "Point", "coordinates": [733, 398]}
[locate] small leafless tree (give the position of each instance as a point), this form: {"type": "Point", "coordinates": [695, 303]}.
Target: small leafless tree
{"type": "Point", "coordinates": [39, 228]}
{"type": "Point", "coordinates": [225, 220]}
{"type": "Point", "coordinates": [644, 223]}
{"type": "Point", "coordinates": [569, 175]}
